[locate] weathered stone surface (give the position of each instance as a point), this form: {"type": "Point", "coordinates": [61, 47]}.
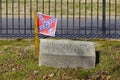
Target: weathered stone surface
{"type": "Point", "coordinates": [67, 53]}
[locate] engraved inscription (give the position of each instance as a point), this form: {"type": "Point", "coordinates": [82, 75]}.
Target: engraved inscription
{"type": "Point", "coordinates": [67, 48]}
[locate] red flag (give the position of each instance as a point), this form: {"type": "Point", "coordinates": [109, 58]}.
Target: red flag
{"type": "Point", "coordinates": [47, 24]}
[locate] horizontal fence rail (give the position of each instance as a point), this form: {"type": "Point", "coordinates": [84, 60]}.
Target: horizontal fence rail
{"type": "Point", "coordinates": [76, 18]}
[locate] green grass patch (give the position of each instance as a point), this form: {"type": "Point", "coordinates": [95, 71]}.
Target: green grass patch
{"type": "Point", "coordinates": [18, 62]}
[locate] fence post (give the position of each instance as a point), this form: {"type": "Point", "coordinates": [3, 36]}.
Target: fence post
{"type": "Point", "coordinates": [103, 17]}
{"type": "Point", "coordinates": [0, 17]}
{"type": "Point", "coordinates": [0, 8]}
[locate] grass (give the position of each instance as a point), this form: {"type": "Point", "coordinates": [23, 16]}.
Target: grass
{"type": "Point", "coordinates": [18, 62]}
{"type": "Point", "coordinates": [58, 7]}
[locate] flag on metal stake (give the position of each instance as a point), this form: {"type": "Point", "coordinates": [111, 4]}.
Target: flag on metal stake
{"type": "Point", "coordinates": [44, 24]}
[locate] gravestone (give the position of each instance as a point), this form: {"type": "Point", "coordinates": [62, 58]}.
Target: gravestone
{"type": "Point", "coordinates": [67, 53]}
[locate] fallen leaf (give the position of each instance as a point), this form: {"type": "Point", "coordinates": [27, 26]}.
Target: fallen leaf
{"type": "Point", "coordinates": [45, 77]}
{"type": "Point", "coordinates": [13, 69]}
{"type": "Point", "coordinates": [106, 77]}
{"type": "Point", "coordinates": [51, 75]}
{"type": "Point", "coordinates": [35, 72]}
{"type": "Point", "coordinates": [66, 77]}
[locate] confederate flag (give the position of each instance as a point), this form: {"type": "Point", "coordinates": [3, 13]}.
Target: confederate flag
{"type": "Point", "coordinates": [47, 24]}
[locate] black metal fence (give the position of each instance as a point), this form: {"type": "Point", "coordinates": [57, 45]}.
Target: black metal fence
{"type": "Point", "coordinates": [76, 18]}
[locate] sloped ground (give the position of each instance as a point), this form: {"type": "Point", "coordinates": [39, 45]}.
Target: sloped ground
{"type": "Point", "coordinates": [18, 62]}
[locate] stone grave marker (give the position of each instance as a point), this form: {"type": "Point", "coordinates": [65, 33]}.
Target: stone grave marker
{"type": "Point", "coordinates": [67, 53]}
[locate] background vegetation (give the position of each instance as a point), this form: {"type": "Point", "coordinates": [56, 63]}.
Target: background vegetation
{"type": "Point", "coordinates": [50, 8]}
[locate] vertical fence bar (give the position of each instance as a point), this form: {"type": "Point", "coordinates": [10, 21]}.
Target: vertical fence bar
{"type": "Point", "coordinates": [12, 16]}
{"type": "Point", "coordinates": [42, 6]}
{"type": "Point", "coordinates": [0, 17]}
{"type": "Point", "coordinates": [61, 16]}
{"type": "Point", "coordinates": [49, 7]}
{"type": "Point", "coordinates": [79, 15]}
{"type": "Point", "coordinates": [103, 17]}
{"type": "Point", "coordinates": [91, 15]}
{"type": "Point", "coordinates": [6, 17]}
{"type": "Point", "coordinates": [25, 17]}
{"type": "Point", "coordinates": [115, 15]}
{"type": "Point", "coordinates": [97, 15]}
{"type": "Point", "coordinates": [37, 5]}
{"type": "Point", "coordinates": [18, 16]}
{"type": "Point", "coordinates": [85, 15]}
{"type": "Point", "coordinates": [55, 7]}
{"type": "Point", "coordinates": [31, 16]}
{"type": "Point", "coordinates": [73, 16]}
{"type": "Point", "coordinates": [109, 15]}
{"type": "Point", "coordinates": [67, 15]}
